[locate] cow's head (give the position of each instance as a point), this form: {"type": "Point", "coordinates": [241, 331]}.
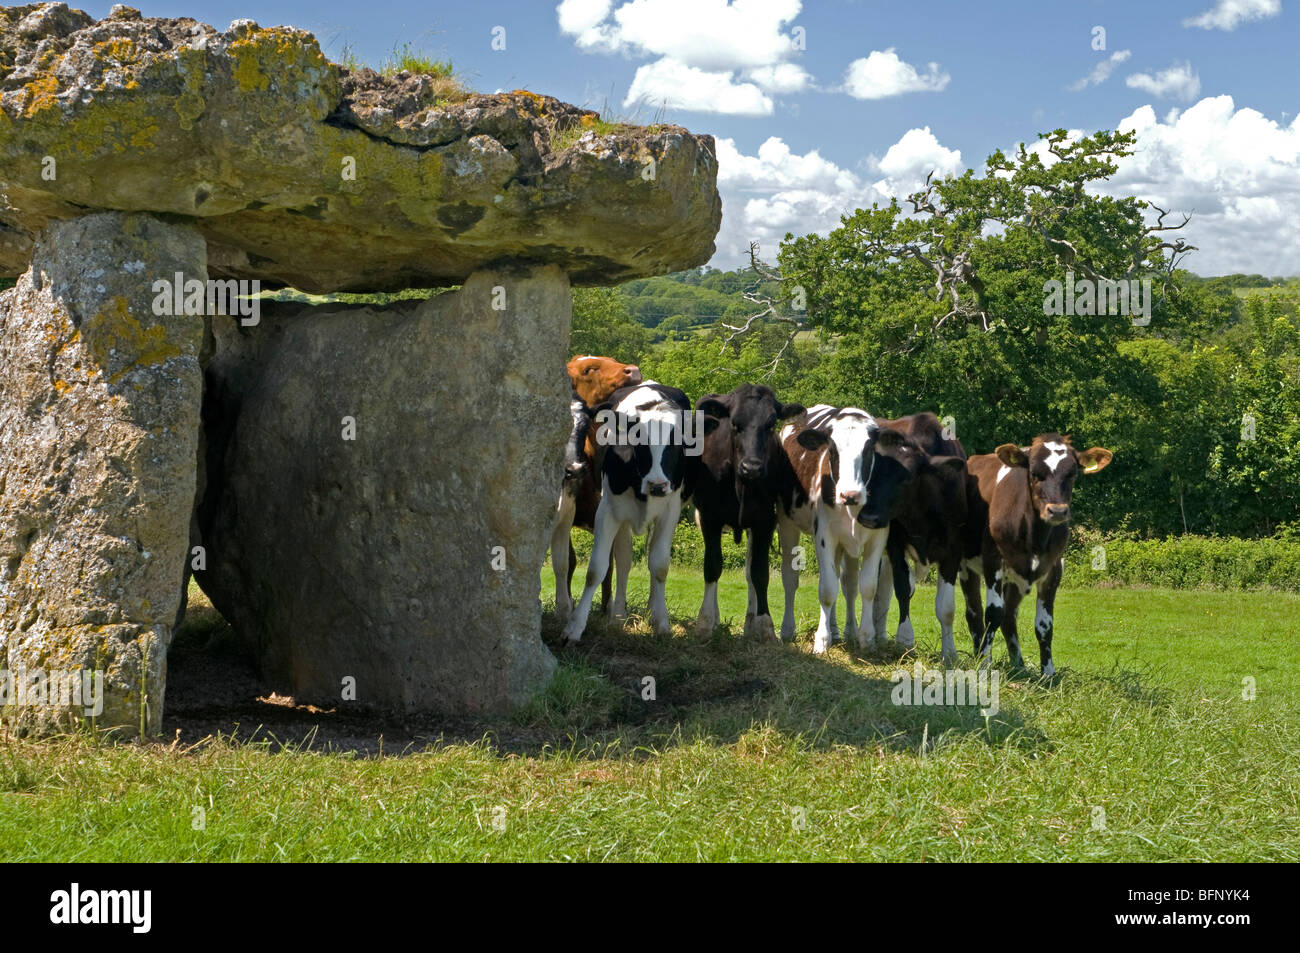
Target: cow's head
{"type": "Point", "coordinates": [898, 467]}
{"type": "Point", "coordinates": [577, 459]}
{"type": "Point", "coordinates": [596, 378]}
{"type": "Point", "coordinates": [752, 412]}
{"type": "Point", "coordinates": [646, 431]}
{"type": "Point", "coordinates": [1053, 466]}
{"type": "Point", "coordinates": [848, 438]}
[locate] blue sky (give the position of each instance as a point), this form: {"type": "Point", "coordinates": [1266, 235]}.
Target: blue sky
{"type": "Point", "coordinates": [809, 135]}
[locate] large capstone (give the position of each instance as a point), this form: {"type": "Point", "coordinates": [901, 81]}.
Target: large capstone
{"type": "Point", "coordinates": [380, 489]}
{"type": "Point", "coordinates": [298, 171]}
{"type": "Point", "coordinates": [100, 392]}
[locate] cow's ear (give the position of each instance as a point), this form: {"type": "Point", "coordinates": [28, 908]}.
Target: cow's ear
{"type": "Point", "coordinates": [1095, 459]}
{"type": "Point", "coordinates": [813, 439]}
{"type": "Point", "coordinates": [1012, 455]}
{"type": "Point", "coordinates": [713, 406]}
{"type": "Point", "coordinates": [785, 411]}
{"type": "Point", "coordinates": [948, 465]}
{"type": "Point", "coordinates": [890, 438]}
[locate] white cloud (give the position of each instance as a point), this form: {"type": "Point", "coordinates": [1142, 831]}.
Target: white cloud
{"type": "Point", "coordinates": [1179, 80]}
{"type": "Point", "coordinates": [1235, 170]}
{"type": "Point", "coordinates": [666, 82]}
{"type": "Point", "coordinates": [776, 191]}
{"type": "Point", "coordinates": [711, 55]}
{"type": "Point", "coordinates": [1229, 14]}
{"type": "Point", "coordinates": [884, 74]}
{"type": "Point", "coordinates": [1101, 72]}
{"type": "Point", "coordinates": [780, 78]}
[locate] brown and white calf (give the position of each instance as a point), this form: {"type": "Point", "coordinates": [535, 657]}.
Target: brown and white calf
{"type": "Point", "coordinates": [830, 451]}
{"type": "Point", "coordinates": [919, 478]}
{"type": "Point", "coordinates": [646, 432]}
{"type": "Point", "coordinates": [1018, 527]}
{"type": "Point", "coordinates": [593, 380]}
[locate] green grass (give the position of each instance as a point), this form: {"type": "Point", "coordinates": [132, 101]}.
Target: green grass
{"type": "Point", "coordinates": [753, 750]}
{"type": "Point", "coordinates": [404, 59]}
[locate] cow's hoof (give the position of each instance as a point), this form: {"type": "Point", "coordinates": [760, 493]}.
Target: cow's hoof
{"type": "Point", "coordinates": [760, 627]}
{"type": "Point", "coordinates": [705, 624]}
{"type": "Point", "coordinates": [787, 633]}
{"type": "Point", "coordinates": [572, 636]}
{"type": "Point", "coordinates": [906, 636]}
{"type": "Point", "coordinates": [950, 660]}
{"type": "Point", "coordinates": [821, 643]}
{"type": "Point", "coordinates": [660, 626]}
{"type": "Point", "coordinates": [850, 636]}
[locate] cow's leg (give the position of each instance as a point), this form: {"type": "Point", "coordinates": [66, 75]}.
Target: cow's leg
{"type": "Point", "coordinates": [660, 551]}
{"type": "Point", "coordinates": [562, 565]}
{"type": "Point", "coordinates": [607, 526]}
{"type": "Point", "coordinates": [896, 558]}
{"type": "Point", "coordinates": [884, 590]}
{"type": "Point", "coordinates": [617, 611]}
{"type": "Point", "coordinates": [970, 578]}
{"type": "Point", "coordinates": [751, 606]}
{"type": "Point", "coordinates": [788, 534]}
{"type": "Point", "coordinates": [868, 579]}
{"type": "Point", "coordinates": [1014, 589]}
{"type": "Point", "coordinates": [849, 586]}
{"type": "Point", "coordinates": [1047, 587]}
{"type": "Point", "coordinates": [707, 620]}
{"type": "Point", "coordinates": [945, 607]}
{"type": "Point", "coordinates": [760, 547]}
{"type": "Point", "coordinates": [828, 587]}
{"type": "Point", "coordinates": [994, 607]}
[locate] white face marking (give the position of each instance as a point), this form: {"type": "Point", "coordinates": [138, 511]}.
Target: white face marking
{"type": "Point", "coordinates": [1042, 620]}
{"type": "Point", "coordinates": [1057, 453]}
{"type": "Point", "coordinates": [660, 423]}
{"type": "Point", "coordinates": [1002, 473]}
{"type": "Point", "coordinates": [851, 435]}
{"type": "Point", "coordinates": [1034, 566]}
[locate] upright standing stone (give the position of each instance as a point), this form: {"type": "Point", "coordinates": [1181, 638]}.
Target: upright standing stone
{"type": "Point", "coordinates": [99, 425]}
{"type": "Point", "coordinates": [381, 484]}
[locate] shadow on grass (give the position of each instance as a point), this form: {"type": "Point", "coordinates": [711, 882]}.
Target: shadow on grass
{"type": "Point", "coordinates": [621, 692]}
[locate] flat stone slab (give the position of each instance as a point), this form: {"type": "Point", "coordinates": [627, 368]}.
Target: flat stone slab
{"type": "Point", "coordinates": [298, 171]}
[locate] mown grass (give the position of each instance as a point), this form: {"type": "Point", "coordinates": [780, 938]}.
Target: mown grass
{"type": "Point", "coordinates": [753, 750]}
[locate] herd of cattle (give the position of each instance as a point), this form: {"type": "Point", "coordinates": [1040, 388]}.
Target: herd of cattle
{"type": "Point", "coordinates": [883, 500]}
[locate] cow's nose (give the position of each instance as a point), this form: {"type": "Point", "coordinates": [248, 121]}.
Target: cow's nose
{"type": "Point", "coordinates": [850, 497]}
{"type": "Point", "coordinates": [656, 487]}
{"type": "Point", "coordinates": [575, 467]}
{"type": "Point", "coordinates": [1058, 511]}
{"type": "Point", "coordinates": [751, 468]}
{"type": "Point", "coordinates": [632, 372]}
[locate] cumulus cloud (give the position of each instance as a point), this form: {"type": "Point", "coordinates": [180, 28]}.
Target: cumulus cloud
{"type": "Point", "coordinates": [881, 75]}
{"type": "Point", "coordinates": [1229, 14]}
{"type": "Point", "coordinates": [712, 55]}
{"type": "Point", "coordinates": [1101, 72]}
{"type": "Point", "coordinates": [1235, 170]}
{"type": "Point", "coordinates": [777, 190]}
{"type": "Point", "coordinates": [1179, 81]}
{"type": "Point", "coordinates": [666, 82]}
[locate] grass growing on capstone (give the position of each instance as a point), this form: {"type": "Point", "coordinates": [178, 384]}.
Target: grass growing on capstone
{"type": "Point", "coordinates": [1145, 749]}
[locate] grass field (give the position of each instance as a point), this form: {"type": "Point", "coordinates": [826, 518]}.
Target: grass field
{"type": "Point", "coordinates": [1144, 749]}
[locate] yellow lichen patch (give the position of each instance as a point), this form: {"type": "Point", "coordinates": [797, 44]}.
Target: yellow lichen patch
{"type": "Point", "coordinates": [115, 329]}
{"type": "Point", "coordinates": [61, 387]}
{"type": "Point", "coordinates": [120, 50]}
{"type": "Point", "coordinates": [41, 95]}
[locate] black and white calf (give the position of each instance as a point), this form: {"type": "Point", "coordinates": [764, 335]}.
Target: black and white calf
{"type": "Point", "coordinates": [919, 478]}
{"type": "Point", "coordinates": [646, 431]}
{"type": "Point", "coordinates": [735, 484]}
{"type": "Point", "coordinates": [831, 450]}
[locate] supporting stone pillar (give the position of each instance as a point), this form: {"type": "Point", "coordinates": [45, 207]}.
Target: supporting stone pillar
{"type": "Point", "coordinates": [380, 488]}
{"type": "Point", "coordinates": [99, 422]}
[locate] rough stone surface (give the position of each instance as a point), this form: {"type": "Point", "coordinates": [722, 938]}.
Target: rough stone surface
{"type": "Point", "coordinates": [99, 424]}
{"type": "Point", "coordinates": [252, 133]}
{"type": "Point", "coordinates": [372, 558]}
